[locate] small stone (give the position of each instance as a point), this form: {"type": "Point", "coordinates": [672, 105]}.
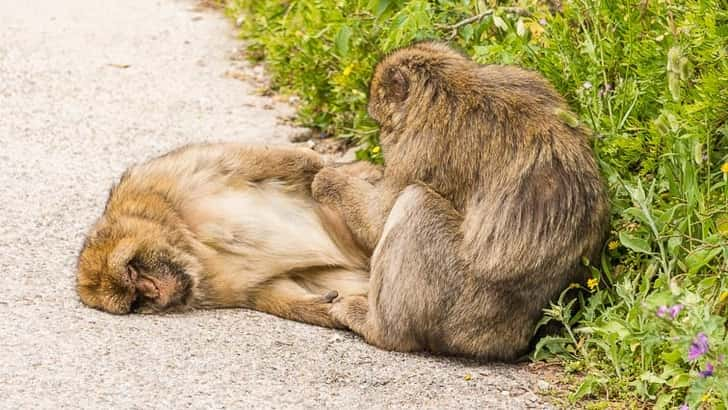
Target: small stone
{"type": "Point", "coordinates": [301, 135]}
{"type": "Point", "coordinates": [237, 74]}
{"type": "Point", "coordinates": [239, 21]}
{"type": "Point", "coordinates": [263, 91]}
{"type": "Point", "coordinates": [237, 54]}
{"type": "Point", "coordinates": [543, 385]}
{"type": "Point", "coordinates": [349, 156]}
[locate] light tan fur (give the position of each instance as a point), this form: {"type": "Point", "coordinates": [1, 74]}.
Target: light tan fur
{"type": "Point", "coordinates": [221, 225]}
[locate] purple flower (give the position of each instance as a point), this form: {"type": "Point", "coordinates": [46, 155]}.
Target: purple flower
{"type": "Point", "coordinates": [684, 407]}
{"type": "Point", "coordinates": [675, 310]}
{"type": "Point", "coordinates": [708, 370]}
{"type": "Point", "coordinates": [605, 89]}
{"type": "Point", "coordinates": [699, 346]}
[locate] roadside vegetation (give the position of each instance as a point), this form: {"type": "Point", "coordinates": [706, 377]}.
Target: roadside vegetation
{"type": "Point", "coordinates": [650, 78]}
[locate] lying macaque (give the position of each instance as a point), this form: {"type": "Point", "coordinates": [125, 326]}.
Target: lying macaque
{"type": "Point", "coordinates": [222, 225]}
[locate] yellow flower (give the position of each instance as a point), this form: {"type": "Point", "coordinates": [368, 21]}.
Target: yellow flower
{"type": "Point", "coordinates": [348, 69]}
{"type": "Point", "coordinates": [376, 149]}
{"type": "Point", "coordinates": [535, 29]}
{"type": "Point", "coordinates": [467, 377]}
{"type": "Point", "coordinates": [613, 245]}
{"type": "Point", "coordinates": [723, 297]}
{"type": "Point", "coordinates": [592, 283]}
{"type": "Point", "coordinates": [724, 167]}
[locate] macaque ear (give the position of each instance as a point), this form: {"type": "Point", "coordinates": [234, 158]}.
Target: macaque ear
{"type": "Point", "coordinates": [397, 83]}
{"type": "Point", "coordinates": [131, 274]}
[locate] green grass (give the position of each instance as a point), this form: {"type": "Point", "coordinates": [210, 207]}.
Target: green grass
{"type": "Point", "coordinates": [650, 78]}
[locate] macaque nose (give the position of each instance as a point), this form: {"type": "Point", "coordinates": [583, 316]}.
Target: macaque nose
{"type": "Point", "coordinates": [147, 287]}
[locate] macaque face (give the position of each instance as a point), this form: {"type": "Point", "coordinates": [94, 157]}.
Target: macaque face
{"type": "Point", "coordinates": [132, 276]}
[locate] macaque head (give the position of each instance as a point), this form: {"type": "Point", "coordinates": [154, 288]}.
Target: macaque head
{"type": "Point", "coordinates": [416, 77]}
{"type": "Point", "coordinates": [132, 267]}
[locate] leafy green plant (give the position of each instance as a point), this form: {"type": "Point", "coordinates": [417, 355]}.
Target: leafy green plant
{"type": "Point", "coordinates": [651, 80]}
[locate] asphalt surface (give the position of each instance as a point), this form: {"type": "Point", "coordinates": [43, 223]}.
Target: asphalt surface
{"type": "Point", "coordinates": [88, 88]}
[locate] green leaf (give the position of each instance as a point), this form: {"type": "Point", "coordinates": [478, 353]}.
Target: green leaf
{"type": "Point", "coordinates": [521, 28]}
{"type": "Point", "coordinates": [673, 245]}
{"type": "Point", "coordinates": [698, 153]}
{"type": "Point", "coordinates": [466, 32]}
{"type": "Point", "coordinates": [615, 327]}
{"type": "Point", "coordinates": [500, 23]}
{"type": "Point", "coordinates": [637, 213]}
{"type": "Point", "coordinates": [672, 357]}
{"type": "Point", "coordinates": [680, 380]}
{"type": "Point", "coordinates": [586, 388]}
{"type": "Point", "coordinates": [341, 41]}
{"type": "Point", "coordinates": [700, 258]}
{"type": "Point", "coordinates": [663, 401]}
{"type": "Point", "coordinates": [721, 223]}
{"type": "Point", "coordinates": [652, 378]}
{"type": "Point", "coordinates": [634, 243]}
{"type": "Point", "coordinates": [378, 7]}
{"type": "Point", "coordinates": [550, 346]}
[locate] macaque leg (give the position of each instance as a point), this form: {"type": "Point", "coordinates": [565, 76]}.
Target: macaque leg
{"type": "Point", "coordinates": [287, 299]}
{"type": "Point", "coordinates": [416, 276]}
{"type": "Point", "coordinates": [363, 205]}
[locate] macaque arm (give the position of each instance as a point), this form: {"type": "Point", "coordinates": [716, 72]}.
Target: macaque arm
{"type": "Point", "coordinates": [364, 206]}
{"type": "Point", "coordinates": [294, 166]}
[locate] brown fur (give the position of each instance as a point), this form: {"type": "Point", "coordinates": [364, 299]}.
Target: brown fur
{"type": "Point", "coordinates": [489, 202]}
{"type": "Point", "coordinates": [221, 225]}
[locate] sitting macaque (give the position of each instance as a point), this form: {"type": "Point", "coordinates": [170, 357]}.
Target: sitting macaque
{"type": "Point", "coordinates": [221, 225]}
{"type": "Point", "coordinates": [488, 205]}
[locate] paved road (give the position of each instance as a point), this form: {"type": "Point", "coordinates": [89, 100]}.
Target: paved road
{"type": "Point", "coordinates": [87, 88]}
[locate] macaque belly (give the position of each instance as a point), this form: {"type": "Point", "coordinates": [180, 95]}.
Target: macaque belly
{"type": "Point", "coordinates": [263, 231]}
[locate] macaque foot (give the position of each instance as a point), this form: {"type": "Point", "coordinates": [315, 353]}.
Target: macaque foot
{"type": "Point", "coordinates": [351, 311]}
